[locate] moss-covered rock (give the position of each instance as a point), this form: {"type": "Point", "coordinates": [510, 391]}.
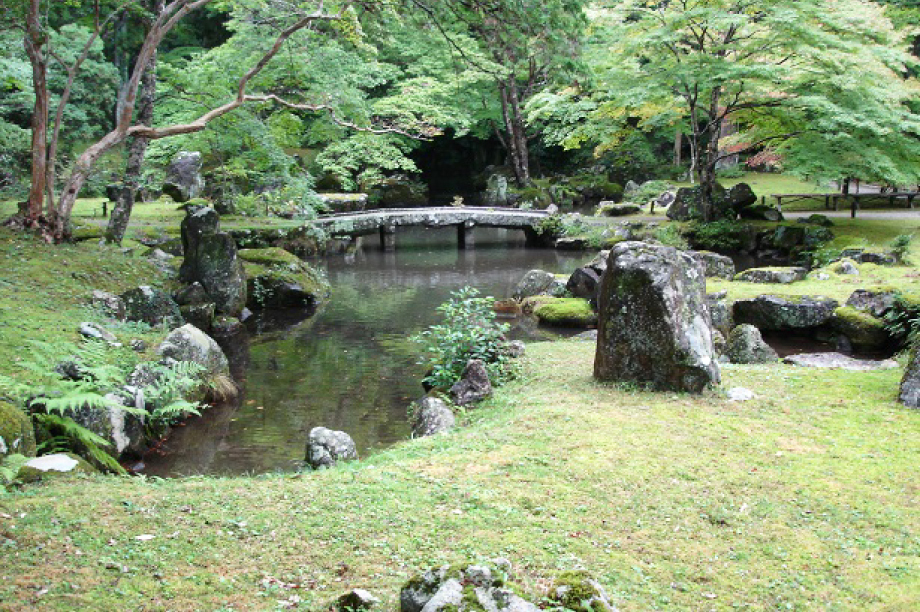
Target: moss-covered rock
{"type": "Point", "coordinates": [60, 465]}
{"type": "Point", "coordinates": [577, 591]}
{"type": "Point", "coordinates": [151, 306]}
{"type": "Point", "coordinates": [862, 329]}
{"type": "Point", "coordinates": [566, 312]}
{"type": "Point", "coordinates": [609, 209]}
{"type": "Point", "coordinates": [17, 435]}
{"type": "Point", "coordinates": [783, 313]}
{"type": "Point", "coordinates": [295, 284]}
{"type": "Point", "coordinates": [530, 304]}
{"type": "Point", "coordinates": [779, 275]}
{"type": "Point", "coordinates": [272, 256]}
{"type": "Point", "coordinates": [745, 345]}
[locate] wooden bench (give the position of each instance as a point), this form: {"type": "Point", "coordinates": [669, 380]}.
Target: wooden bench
{"type": "Point", "coordinates": [833, 199]}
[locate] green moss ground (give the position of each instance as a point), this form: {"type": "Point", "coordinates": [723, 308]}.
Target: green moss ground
{"type": "Point", "coordinates": [45, 290]}
{"type": "Point", "coordinates": [803, 498]}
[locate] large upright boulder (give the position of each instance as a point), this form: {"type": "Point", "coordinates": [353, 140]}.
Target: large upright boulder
{"type": "Point", "coordinates": [211, 259]}
{"type": "Point", "coordinates": [654, 326]}
{"type": "Point", "coordinates": [183, 177]}
{"type": "Point", "coordinates": [690, 204]}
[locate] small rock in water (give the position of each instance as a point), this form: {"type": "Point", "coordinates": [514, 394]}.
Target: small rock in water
{"type": "Point", "coordinates": [740, 394]}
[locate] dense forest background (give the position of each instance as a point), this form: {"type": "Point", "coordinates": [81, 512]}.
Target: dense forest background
{"type": "Point", "coordinates": [423, 101]}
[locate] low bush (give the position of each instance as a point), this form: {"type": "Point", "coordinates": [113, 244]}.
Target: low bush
{"type": "Point", "coordinates": [469, 331]}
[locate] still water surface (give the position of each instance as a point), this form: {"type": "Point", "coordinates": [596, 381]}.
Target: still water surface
{"type": "Point", "coordinates": [351, 366]}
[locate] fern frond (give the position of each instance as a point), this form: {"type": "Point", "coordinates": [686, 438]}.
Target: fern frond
{"type": "Point", "coordinates": [82, 437]}
{"type": "Point", "coordinates": [75, 401]}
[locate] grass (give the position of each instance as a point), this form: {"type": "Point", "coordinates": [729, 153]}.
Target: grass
{"type": "Point", "coordinates": [804, 497]}
{"type": "Point", "coordinates": [45, 291]}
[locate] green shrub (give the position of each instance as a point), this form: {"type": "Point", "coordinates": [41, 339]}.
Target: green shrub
{"type": "Point", "coordinates": [723, 235]}
{"type": "Point", "coordinates": [469, 331]}
{"type": "Point", "coordinates": [670, 235]}
{"type": "Point", "coordinates": [900, 246]}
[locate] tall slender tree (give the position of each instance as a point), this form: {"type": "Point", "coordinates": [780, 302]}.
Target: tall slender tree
{"type": "Point", "coordinates": [526, 46]}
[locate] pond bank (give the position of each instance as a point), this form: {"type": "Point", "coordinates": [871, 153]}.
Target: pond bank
{"type": "Point", "coordinates": [803, 496]}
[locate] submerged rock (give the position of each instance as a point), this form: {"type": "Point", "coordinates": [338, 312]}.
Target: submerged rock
{"type": "Point", "coordinates": [654, 323]}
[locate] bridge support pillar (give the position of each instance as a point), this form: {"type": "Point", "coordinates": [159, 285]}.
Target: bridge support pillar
{"type": "Point", "coordinates": [388, 237]}
{"type": "Point", "coordinates": [465, 236]}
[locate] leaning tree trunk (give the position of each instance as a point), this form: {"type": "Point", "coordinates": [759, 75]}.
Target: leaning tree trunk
{"type": "Point", "coordinates": [121, 213]}
{"type": "Point", "coordinates": [516, 140]}
{"type": "Point", "coordinates": [34, 42]}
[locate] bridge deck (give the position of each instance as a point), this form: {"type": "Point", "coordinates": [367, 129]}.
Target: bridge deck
{"type": "Point", "coordinates": [370, 221]}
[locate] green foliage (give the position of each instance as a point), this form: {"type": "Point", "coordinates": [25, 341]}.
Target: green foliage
{"type": "Point", "coordinates": [67, 435]}
{"type": "Point", "coordinates": [649, 191]}
{"type": "Point", "coordinates": [9, 467]}
{"type": "Point", "coordinates": [670, 235]}
{"type": "Point", "coordinates": [723, 235]}
{"type": "Point", "coordinates": [469, 331]}
{"type": "Point", "coordinates": [54, 399]}
{"type": "Point", "coordinates": [900, 246]}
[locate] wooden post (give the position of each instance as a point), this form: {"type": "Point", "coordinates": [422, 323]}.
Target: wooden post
{"type": "Point", "coordinates": [853, 206]}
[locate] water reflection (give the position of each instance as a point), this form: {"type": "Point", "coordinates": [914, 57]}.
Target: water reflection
{"type": "Point", "coordinates": [351, 366]}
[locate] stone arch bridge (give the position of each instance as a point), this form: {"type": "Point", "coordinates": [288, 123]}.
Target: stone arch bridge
{"type": "Point", "coordinates": [385, 221]}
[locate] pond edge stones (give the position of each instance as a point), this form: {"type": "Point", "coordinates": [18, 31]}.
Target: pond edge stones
{"type": "Point", "coordinates": [654, 324]}
{"type": "Point", "coordinates": [326, 447]}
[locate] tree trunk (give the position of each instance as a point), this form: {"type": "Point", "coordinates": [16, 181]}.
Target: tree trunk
{"type": "Point", "coordinates": [678, 143]}
{"type": "Point", "coordinates": [121, 213]}
{"type": "Point", "coordinates": [710, 158]}
{"type": "Point", "coordinates": [516, 140]}
{"type": "Point", "coordinates": [34, 42]}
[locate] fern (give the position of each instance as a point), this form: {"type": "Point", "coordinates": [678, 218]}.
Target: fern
{"type": "Point", "coordinates": [77, 399]}
{"type": "Point", "coordinates": [73, 432]}
{"type": "Point", "coordinates": [10, 468]}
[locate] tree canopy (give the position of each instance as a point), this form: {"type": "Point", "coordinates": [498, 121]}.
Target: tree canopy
{"type": "Point", "coordinates": [292, 91]}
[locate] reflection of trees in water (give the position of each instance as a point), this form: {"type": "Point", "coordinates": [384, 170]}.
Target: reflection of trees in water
{"type": "Point", "coordinates": [349, 366]}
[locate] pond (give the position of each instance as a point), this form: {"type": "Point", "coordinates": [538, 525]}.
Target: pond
{"type": "Point", "coordinates": [350, 366]}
